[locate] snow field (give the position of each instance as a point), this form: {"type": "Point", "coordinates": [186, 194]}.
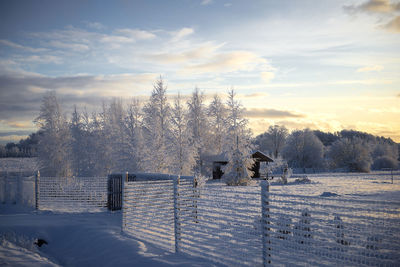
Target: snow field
{"type": "Point", "coordinates": [78, 239]}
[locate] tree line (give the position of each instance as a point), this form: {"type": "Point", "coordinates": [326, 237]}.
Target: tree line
{"type": "Point", "coordinates": [346, 150]}
{"type": "Point", "coordinates": [158, 135]}
{"type": "Point", "coordinates": [178, 136]}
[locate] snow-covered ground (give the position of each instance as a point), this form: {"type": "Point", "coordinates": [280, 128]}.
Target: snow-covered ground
{"type": "Point", "coordinates": [76, 239]}
{"type": "Point", "coordinates": [95, 239]}
{"type": "Point", "coordinates": [375, 184]}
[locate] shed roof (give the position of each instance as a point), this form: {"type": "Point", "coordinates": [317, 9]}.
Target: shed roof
{"type": "Point", "coordinates": [260, 156]}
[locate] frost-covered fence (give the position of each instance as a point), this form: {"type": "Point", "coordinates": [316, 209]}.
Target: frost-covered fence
{"type": "Point", "coordinates": [17, 189]}
{"type": "Point", "coordinates": [251, 226]}
{"type": "Point", "coordinates": [72, 193]}
{"type": "Point", "coordinates": [222, 224]}
{"type": "Point", "coordinates": [148, 210]}
{"type": "Point", "coordinates": [332, 230]}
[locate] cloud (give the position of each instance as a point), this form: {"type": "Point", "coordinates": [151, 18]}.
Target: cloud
{"type": "Point", "coordinates": [16, 133]}
{"type": "Point", "coordinates": [70, 46]}
{"type": "Point", "coordinates": [18, 46]}
{"type": "Point", "coordinates": [270, 113]}
{"type": "Point", "coordinates": [206, 2]}
{"type": "Point", "coordinates": [182, 33]}
{"type": "Point", "coordinates": [384, 9]}
{"type": "Point", "coordinates": [228, 62]}
{"type": "Point", "coordinates": [393, 25]}
{"type": "Point", "coordinates": [17, 124]}
{"type": "Point", "coordinates": [19, 102]}
{"type": "Point", "coordinates": [258, 94]}
{"type": "Point", "coordinates": [267, 76]}
{"type": "Point", "coordinates": [370, 68]}
{"type": "Point", "coordinates": [398, 95]}
{"type": "Point", "coordinates": [136, 34]}
{"type": "Point", "coordinates": [40, 59]}
{"type": "Point", "coordinates": [95, 25]}
{"type": "Point", "coordinates": [374, 6]}
{"type": "Point", "coordinates": [203, 51]}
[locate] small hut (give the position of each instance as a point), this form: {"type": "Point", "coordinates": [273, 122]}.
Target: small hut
{"type": "Point", "coordinates": [259, 157]}
{"type": "Point", "coordinates": [220, 160]}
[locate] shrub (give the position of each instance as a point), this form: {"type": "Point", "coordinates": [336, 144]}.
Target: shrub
{"type": "Point", "coordinates": [385, 162]}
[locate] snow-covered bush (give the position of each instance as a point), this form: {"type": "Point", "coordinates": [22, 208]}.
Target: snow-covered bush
{"type": "Point", "coordinates": [385, 162]}
{"type": "Point", "coordinates": [352, 154]}
{"type": "Point", "coordinates": [237, 171]}
{"type": "Point", "coordinates": [303, 150]}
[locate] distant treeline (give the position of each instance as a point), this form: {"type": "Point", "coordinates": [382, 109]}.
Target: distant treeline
{"type": "Point", "coordinates": [374, 152]}
{"type": "Point", "coordinates": [347, 150]}
{"type": "Point", "coordinates": [25, 148]}
{"type": "Point", "coordinates": [157, 136]}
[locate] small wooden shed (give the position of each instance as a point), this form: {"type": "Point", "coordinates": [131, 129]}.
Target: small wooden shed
{"type": "Point", "coordinates": [258, 156]}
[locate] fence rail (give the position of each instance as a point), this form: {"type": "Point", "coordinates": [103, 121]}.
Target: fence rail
{"type": "Point", "coordinates": [326, 231]}
{"type": "Point", "coordinates": [251, 226]}
{"type": "Point", "coordinates": [71, 193]}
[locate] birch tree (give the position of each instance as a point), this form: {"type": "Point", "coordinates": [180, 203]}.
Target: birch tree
{"type": "Point", "coordinates": [217, 120]}
{"type": "Point", "coordinates": [198, 126]}
{"type": "Point", "coordinates": [181, 152]}
{"type": "Point", "coordinates": [54, 151]}
{"type": "Point", "coordinates": [156, 126]}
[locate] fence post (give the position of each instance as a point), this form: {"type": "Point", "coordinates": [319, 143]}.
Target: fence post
{"type": "Point", "coordinates": [123, 196]}
{"type": "Point", "coordinates": [195, 196]}
{"type": "Point", "coordinates": [177, 230]}
{"type": "Point", "coordinates": [37, 187]}
{"type": "Point", "coordinates": [265, 222]}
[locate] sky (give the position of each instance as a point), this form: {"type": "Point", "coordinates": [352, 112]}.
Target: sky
{"type": "Point", "coordinates": [327, 65]}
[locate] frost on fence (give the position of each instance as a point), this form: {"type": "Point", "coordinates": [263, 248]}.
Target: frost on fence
{"type": "Point", "coordinates": [17, 190]}
{"type": "Point", "coordinates": [230, 226]}
{"type": "Point", "coordinates": [222, 224]}
{"type": "Point", "coordinates": [148, 212]}
{"type": "Point", "coordinates": [325, 231]}
{"type": "Point", "coordinates": [74, 194]}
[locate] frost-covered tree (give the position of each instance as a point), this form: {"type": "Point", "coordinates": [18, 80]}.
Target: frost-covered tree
{"type": "Point", "coordinates": [197, 123]}
{"type": "Point", "coordinates": [217, 113]}
{"type": "Point", "coordinates": [273, 140]}
{"type": "Point", "coordinates": [237, 145]}
{"type": "Point", "coordinates": [385, 155]}
{"type": "Point", "coordinates": [134, 127]}
{"type": "Point", "coordinates": [156, 123]}
{"type": "Point", "coordinates": [54, 150]}
{"type": "Point", "coordinates": [115, 135]}
{"type": "Point", "coordinates": [303, 150]}
{"type": "Point", "coordinates": [352, 154]}
{"type": "Point", "coordinates": [182, 153]}
{"type": "Point", "coordinates": [78, 145]}
{"type": "Point", "coordinates": [100, 152]}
